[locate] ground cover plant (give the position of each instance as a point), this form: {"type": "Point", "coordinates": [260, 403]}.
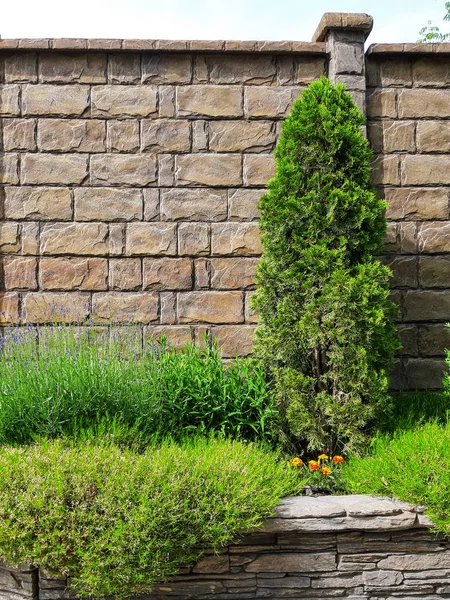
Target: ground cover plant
{"type": "Point", "coordinates": [118, 520]}
{"type": "Point", "coordinates": [326, 332]}
{"type": "Point", "coordinates": [70, 383]}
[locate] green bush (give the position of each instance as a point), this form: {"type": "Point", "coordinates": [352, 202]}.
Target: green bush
{"type": "Point", "coordinates": [73, 383]}
{"type": "Point", "coordinates": [119, 521]}
{"type": "Point", "coordinates": [413, 466]}
{"type": "Point", "coordinates": [326, 333]}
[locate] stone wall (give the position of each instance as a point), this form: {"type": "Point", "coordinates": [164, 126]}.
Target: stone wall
{"type": "Point", "coordinates": [130, 172]}
{"type": "Point", "coordinates": [353, 547]}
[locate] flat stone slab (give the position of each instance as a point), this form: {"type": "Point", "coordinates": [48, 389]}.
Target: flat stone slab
{"type": "Point", "coordinates": [359, 512]}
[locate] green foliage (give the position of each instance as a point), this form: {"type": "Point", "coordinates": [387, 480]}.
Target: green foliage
{"type": "Point", "coordinates": [409, 410]}
{"type": "Point", "coordinates": [413, 466]}
{"type": "Point", "coordinates": [73, 383]}
{"type": "Point", "coordinates": [119, 521]}
{"type": "Point", "coordinates": [326, 333]}
{"type": "Point", "coordinates": [431, 34]}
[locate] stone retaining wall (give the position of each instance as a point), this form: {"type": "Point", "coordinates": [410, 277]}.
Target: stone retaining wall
{"type": "Point", "coordinates": [353, 547]}
{"type": "Point", "coordinates": [130, 171]}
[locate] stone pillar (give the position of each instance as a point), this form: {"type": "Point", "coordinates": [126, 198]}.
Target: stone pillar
{"type": "Point", "coordinates": [344, 35]}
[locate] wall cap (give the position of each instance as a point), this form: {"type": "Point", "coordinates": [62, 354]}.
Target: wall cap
{"type": "Point", "coordinates": [77, 45]}
{"type": "Point", "coordinates": [353, 21]}
{"type": "Point", "coordinates": [441, 48]}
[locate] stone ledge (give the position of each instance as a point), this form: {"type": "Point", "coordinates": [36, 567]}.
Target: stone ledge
{"type": "Point", "coordinates": [359, 512]}
{"type": "Point", "coordinates": [238, 47]}
{"type": "Point", "coordinates": [377, 49]}
{"type": "Point", "coordinates": [348, 21]}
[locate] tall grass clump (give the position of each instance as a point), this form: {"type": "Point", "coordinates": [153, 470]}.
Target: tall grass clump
{"type": "Point", "coordinates": [71, 383]}
{"type": "Point", "coordinates": [326, 332]}
{"type": "Point", "coordinates": [118, 521]}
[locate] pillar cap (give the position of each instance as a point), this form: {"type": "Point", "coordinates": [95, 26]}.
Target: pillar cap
{"type": "Point", "coordinates": [349, 21]}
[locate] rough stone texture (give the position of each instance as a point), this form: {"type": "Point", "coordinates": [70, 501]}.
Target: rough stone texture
{"type": "Point", "coordinates": [359, 547]}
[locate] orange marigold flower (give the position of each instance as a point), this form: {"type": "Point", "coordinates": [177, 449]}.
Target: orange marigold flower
{"type": "Point", "coordinates": [323, 457]}
{"type": "Point", "coordinates": [297, 462]}
{"type": "Point", "coordinates": [326, 470]}
{"type": "Point", "coordinates": [338, 459]}
{"type": "Point", "coordinates": [314, 465]}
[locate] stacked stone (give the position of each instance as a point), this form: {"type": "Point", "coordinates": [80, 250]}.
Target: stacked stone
{"type": "Point", "coordinates": [355, 547]}
{"type": "Point", "coordinates": [409, 129]}
{"type": "Point", "coordinates": [130, 181]}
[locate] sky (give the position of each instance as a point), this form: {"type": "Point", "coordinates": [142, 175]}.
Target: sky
{"type": "Point", "coordinates": [394, 20]}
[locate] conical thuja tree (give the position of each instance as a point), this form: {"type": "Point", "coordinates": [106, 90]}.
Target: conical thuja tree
{"type": "Point", "coordinates": [326, 329]}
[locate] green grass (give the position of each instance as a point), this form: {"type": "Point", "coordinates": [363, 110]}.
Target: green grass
{"type": "Point", "coordinates": [412, 465]}
{"type": "Point", "coordinates": [73, 383]}
{"type": "Point", "coordinates": [119, 520]}
{"type": "Point", "coordinates": [412, 409]}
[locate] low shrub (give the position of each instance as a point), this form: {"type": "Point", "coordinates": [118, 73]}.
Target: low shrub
{"type": "Point", "coordinates": [72, 383]}
{"type": "Point", "coordinates": [118, 520]}
{"type": "Point", "coordinates": [412, 465]}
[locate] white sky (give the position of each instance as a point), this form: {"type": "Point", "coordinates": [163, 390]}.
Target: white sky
{"type": "Point", "coordinates": [395, 20]}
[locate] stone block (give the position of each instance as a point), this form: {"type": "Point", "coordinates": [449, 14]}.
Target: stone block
{"type": "Point", "coordinates": [74, 238]}
{"type": "Point", "coordinates": [308, 69]}
{"type": "Point", "coordinates": [426, 305]}
{"type": "Point", "coordinates": [55, 100]}
{"type": "Point", "coordinates": [193, 204]}
{"type": "Point", "coordinates": [124, 307]}
{"type": "Point", "coordinates": [20, 273]}
{"type": "Point", "coordinates": [125, 274]}
{"type": "Point", "coordinates": [250, 315]}
{"type": "Point", "coordinates": [212, 564]}
{"type": "Point", "coordinates": [407, 233]}
{"type": "Point", "coordinates": [348, 58]}
{"type": "Point", "coordinates": [385, 170]}
{"type": "Point", "coordinates": [166, 96]}
{"type": "Point", "coordinates": [71, 135]}
{"type": "Point", "coordinates": [391, 242]}
{"type": "Point", "coordinates": [177, 336]}
{"type": "Point", "coordinates": [381, 578]}
{"type": "Point", "coordinates": [123, 169]}
{"type": "Point", "coordinates": [375, 136]}
{"type": "Point", "coordinates": [338, 580]}
{"type": "Point", "coordinates": [61, 169]}
{"type": "Point", "coordinates": [209, 101]}
{"type": "Point", "coordinates": [233, 273]}
{"type": "Point", "coordinates": [434, 340]}
{"type": "Point", "coordinates": [167, 273]}
{"type": "Point", "coordinates": [107, 204]}
{"type": "Point", "coordinates": [124, 68]}
{"type": "Point", "coordinates": [209, 169]}
{"type": "Point", "coordinates": [153, 239]}
{"type": "Point", "coordinates": [194, 239]}
{"type": "Point", "coordinates": [234, 340]}
{"type": "Point", "coordinates": [166, 68]}
{"type": "Point", "coordinates": [38, 203]}
{"type": "Point", "coordinates": [9, 100]}
{"type": "Point", "coordinates": [404, 270]}
{"type": "Point", "coordinates": [251, 69]}
{"type": "Point", "coordinates": [269, 102]}
{"type": "Point", "coordinates": [123, 136]}
{"type": "Point", "coordinates": [202, 273]}
{"type": "Point", "coordinates": [199, 136]}
{"type": "Point", "coordinates": [18, 134]}
{"type": "Point", "coordinates": [417, 204]}
{"type": "Point", "coordinates": [9, 308]}
{"type": "Point", "coordinates": [166, 170]}
{"type": "Point", "coordinates": [434, 271]}
{"type": "Point", "coordinates": [294, 562]}
{"type": "Point", "coordinates": [396, 72]}
{"type": "Point", "coordinates": [210, 307]}
{"type": "Point", "coordinates": [433, 136]}
{"type": "Point", "coordinates": [21, 67]}
{"type": "Point", "coordinates": [399, 136]}
{"type": "Point", "coordinates": [434, 237]}
{"type": "Point", "coordinates": [116, 239]}
{"type": "Point", "coordinates": [67, 307]}
{"type": "Point", "coordinates": [242, 204]}
{"type": "Point", "coordinates": [9, 169]}
{"type": "Point", "coordinates": [113, 101]}
{"type": "Point", "coordinates": [168, 307]}
{"type": "Point", "coordinates": [431, 71]}
{"type": "Point", "coordinates": [166, 135]}
{"type": "Point", "coordinates": [242, 239]}
{"type": "Point", "coordinates": [381, 103]}
{"type": "Point", "coordinates": [72, 68]}
{"type": "Point", "coordinates": [258, 169]}
{"type": "Point", "coordinates": [73, 274]}
{"type": "Point", "coordinates": [416, 562]}
{"type": "Point", "coordinates": [422, 103]}
{"type": "Point", "coordinates": [408, 338]}
{"type": "Point", "coordinates": [241, 136]}
{"type": "Point", "coordinates": [420, 169]}
{"type": "Point", "coordinates": [9, 238]}
{"type": "Point", "coordinates": [30, 238]}
{"type": "Point", "coordinates": [151, 204]}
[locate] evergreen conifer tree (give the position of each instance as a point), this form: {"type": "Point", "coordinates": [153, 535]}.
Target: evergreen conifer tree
{"type": "Point", "coordinates": [326, 332]}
